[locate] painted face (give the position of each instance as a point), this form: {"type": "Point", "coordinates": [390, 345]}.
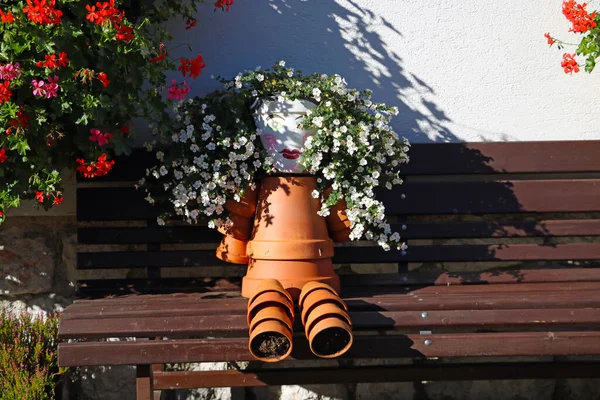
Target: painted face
{"type": "Point", "coordinates": [277, 125]}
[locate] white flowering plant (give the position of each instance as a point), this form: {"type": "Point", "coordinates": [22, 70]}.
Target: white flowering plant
{"type": "Point", "coordinates": [217, 153]}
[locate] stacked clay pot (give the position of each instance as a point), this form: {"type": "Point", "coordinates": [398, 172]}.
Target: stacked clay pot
{"type": "Point", "coordinates": [233, 245]}
{"type": "Point", "coordinates": [271, 321]}
{"type": "Point", "coordinates": [326, 321]}
{"type": "Point", "coordinates": [290, 241]}
{"type": "Point", "coordinates": [338, 223]}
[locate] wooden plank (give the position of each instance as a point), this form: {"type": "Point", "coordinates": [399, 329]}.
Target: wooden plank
{"type": "Point", "coordinates": [123, 203]}
{"type": "Point", "coordinates": [492, 197]}
{"type": "Point", "coordinates": [503, 157]}
{"type": "Point", "coordinates": [353, 255]}
{"type": "Point", "coordinates": [119, 287]}
{"type": "Point", "coordinates": [491, 229]}
{"type": "Point", "coordinates": [142, 235]}
{"type": "Point", "coordinates": [376, 374]}
{"type": "Point", "coordinates": [411, 279]}
{"type": "Point", "coordinates": [236, 325]}
{"type": "Point", "coordinates": [389, 346]}
{"type": "Point", "coordinates": [442, 158]}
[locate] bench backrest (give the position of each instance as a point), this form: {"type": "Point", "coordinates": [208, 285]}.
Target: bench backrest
{"type": "Point", "coordinates": [516, 207]}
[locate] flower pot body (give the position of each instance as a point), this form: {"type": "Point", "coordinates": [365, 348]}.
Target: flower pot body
{"type": "Point", "coordinates": [325, 310]}
{"type": "Point", "coordinates": [277, 312]}
{"type": "Point", "coordinates": [232, 250]}
{"type": "Point", "coordinates": [233, 245]}
{"type": "Point", "coordinates": [270, 330]}
{"type": "Point", "coordinates": [267, 299]}
{"type": "Point", "coordinates": [312, 286]}
{"type": "Point", "coordinates": [277, 125]}
{"type": "Point", "coordinates": [337, 220]}
{"type": "Point", "coordinates": [317, 298]}
{"type": "Point", "coordinates": [289, 242]}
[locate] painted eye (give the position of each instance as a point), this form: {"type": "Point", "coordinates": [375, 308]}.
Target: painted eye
{"type": "Point", "coordinates": [269, 116]}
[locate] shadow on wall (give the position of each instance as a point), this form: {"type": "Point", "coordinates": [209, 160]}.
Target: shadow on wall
{"type": "Point", "coordinates": [321, 36]}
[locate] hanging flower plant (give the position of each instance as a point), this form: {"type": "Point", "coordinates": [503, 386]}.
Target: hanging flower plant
{"type": "Point", "coordinates": [217, 153]}
{"type": "Point", "coordinates": [73, 75]}
{"type": "Point", "coordinates": [585, 24]}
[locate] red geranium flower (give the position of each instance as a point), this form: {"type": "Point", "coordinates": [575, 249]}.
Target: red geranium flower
{"type": "Point", "coordinates": [43, 12]}
{"type": "Point", "coordinates": [104, 12]}
{"type": "Point", "coordinates": [39, 196]}
{"type": "Point", "coordinates": [5, 92]}
{"type": "Point", "coordinates": [224, 4]}
{"type": "Point", "coordinates": [192, 67]}
{"type": "Point", "coordinates": [551, 41]}
{"type": "Point", "coordinates": [7, 18]}
{"type": "Point", "coordinates": [100, 167]}
{"type": "Point", "coordinates": [103, 79]}
{"type": "Point", "coordinates": [569, 63]}
{"type": "Point", "coordinates": [190, 23]}
{"type": "Point", "coordinates": [124, 33]}
{"type": "Point", "coordinates": [581, 20]}
{"type": "Point", "coordinates": [3, 155]}
{"type": "Point", "coordinates": [161, 56]}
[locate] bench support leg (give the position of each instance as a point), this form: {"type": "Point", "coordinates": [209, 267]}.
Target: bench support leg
{"type": "Point", "coordinates": [143, 383]}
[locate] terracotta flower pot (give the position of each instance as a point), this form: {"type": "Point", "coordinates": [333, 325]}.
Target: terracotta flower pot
{"type": "Point", "coordinates": [312, 286]}
{"type": "Point", "coordinates": [290, 242]}
{"type": "Point", "coordinates": [278, 313]}
{"type": "Point", "coordinates": [246, 207]}
{"type": "Point", "coordinates": [337, 220]}
{"type": "Point", "coordinates": [330, 337]}
{"type": "Point", "coordinates": [317, 298]}
{"type": "Point", "coordinates": [241, 228]}
{"type": "Point", "coordinates": [268, 299]}
{"type": "Point", "coordinates": [270, 341]}
{"type": "Point", "coordinates": [323, 311]}
{"type": "Point", "coordinates": [268, 285]}
{"type": "Point", "coordinates": [232, 250]}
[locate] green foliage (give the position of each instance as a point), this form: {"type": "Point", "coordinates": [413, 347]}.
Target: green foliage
{"type": "Point", "coordinates": [108, 77]}
{"type": "Point", "coordinates": [28, 357]}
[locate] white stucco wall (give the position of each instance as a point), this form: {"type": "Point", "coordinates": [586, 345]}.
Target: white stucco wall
{"type": "Point", "coordinates": [474, 70]}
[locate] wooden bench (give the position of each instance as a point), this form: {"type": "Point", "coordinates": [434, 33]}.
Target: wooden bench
{"type": "Point", "coordinates": [502, 240]}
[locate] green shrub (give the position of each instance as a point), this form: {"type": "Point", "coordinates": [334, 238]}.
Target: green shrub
{"type": "Point", "coordinates": [28, 356]}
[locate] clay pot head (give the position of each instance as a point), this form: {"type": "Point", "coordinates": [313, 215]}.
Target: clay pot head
{"type": "Point", "coordinates": [277, 124]}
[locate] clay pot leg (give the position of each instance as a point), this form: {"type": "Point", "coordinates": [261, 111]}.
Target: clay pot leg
{"type": "Point", "coordinates": [271, 320]}
{"type": "Point", "coordinates": [327, 324]}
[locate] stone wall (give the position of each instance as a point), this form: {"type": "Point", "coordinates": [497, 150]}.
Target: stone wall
{"type": "Point", "coordinates": [37, 266]}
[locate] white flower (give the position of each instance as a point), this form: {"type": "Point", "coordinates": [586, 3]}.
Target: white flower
{"type": "Point", "coordinates": [290, 73]}
{"type": "Point", "coordinates": [260, 77]}
{"type": "Point", "coordinates": [343, 129]}
{"type": "Point", "coordinates": [160, 221]}
{"type": "Point", "coordinates": [316, 92]}
{"type": "Point", "coordinates": [315, 194]}
{"type": "Point", "coordinates": [163, 170]}
{"type": "Point", "coordinates": [317, 121]}
{"type": "Point", "coordinates": [160, 155]}
{"type": "Point", "coordinates": [281, 63]}
{"type": "Point", "coordinates": [336, 121]}
{"type": "Point", "coordinates": [211, 146]}
{"type": "Point", "coordinates": [254, 93]}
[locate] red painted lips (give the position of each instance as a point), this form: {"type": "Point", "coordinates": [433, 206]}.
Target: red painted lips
{"type": "Point", "coordinates": [290, 154]}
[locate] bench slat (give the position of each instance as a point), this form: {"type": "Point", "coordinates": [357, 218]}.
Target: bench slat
{"type": "Point", "coordinates": [418, 230]}
{"type": "Point", "coordinates": [236, 325]}
{"type": "Point", "coordinates": [376, 374]}
{"type": "Point", "coordinates": [556, 195]}
{"type": "Point", "coordinates": [441, 158]}
{"type": "Point", "coordinates": [191, 306]}
{"type": "Point", "coordinates": [353, 255]}
{"type": "Point", "coordinates": [391, 346]}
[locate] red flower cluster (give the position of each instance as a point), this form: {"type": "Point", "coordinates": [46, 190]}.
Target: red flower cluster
{"type": "Point", "coordinates": [224, 4]}
{"type": "Point", "coordinates": [551, 41]}
{"type": "Point", "coordinates": [19, 124]}
{"type": "Point", "coordinates": [7, 18]}
{"type": "Point", "coordinates": [43, 12]}
{"type": "Point", "coordinates": [57, 197]}
{"type": "Point", "coordinates": [3, 155]}
{"type": "Point", "coordinates": [99, 137]}
{"type": "Point", "coordinates": [581, 20]}
{"type": "Point", "coordinates": [192, 67]}
{"type": "Point", "coordinates": [569, 63]}
{"type": "Point", "coordinates": [190, 23]}
{"type": "Point", "coordinates": [100, 167]}
{"type": "Point", "coordinates": [5, 92]}
{"type": "Point", "coordinates": [53, 61]}
{"type": "Point", "coordinates": [104, 12]}
{"type": "Point", "coordinates": [124, 33]}
{"type": "Point", "coordinates": [103, 79]}
{"type": "Point", "coordinates": [161, 56]}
